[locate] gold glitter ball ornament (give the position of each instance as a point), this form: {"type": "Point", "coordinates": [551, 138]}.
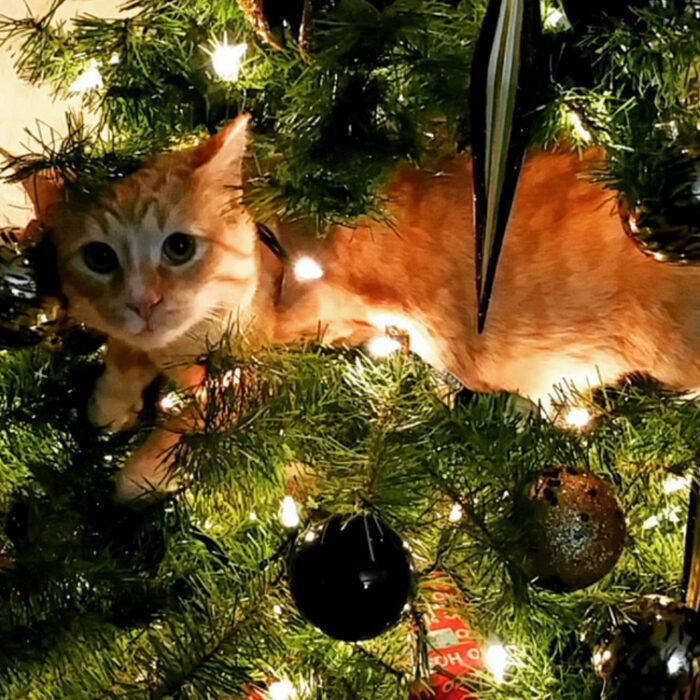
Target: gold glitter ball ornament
{"type": "Point", "coordinates": [578, 529]}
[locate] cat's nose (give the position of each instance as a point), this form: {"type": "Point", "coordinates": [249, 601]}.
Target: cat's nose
{"type": "Point", "coordinates": [145, 307]}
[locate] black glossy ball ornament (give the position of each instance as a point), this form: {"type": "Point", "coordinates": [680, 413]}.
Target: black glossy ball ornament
{"type": "Point", "coordinates": [653, 654]}
{"type": "Point", "coordinates": [351, 578]}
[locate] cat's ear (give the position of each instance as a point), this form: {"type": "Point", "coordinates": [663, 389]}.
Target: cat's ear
{"type": "Point", "coordinates": [221, 157]}
{"type": "Point", "coordinates": [46, 190]}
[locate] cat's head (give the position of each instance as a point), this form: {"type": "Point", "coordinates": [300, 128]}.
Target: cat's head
{"type": "Point", "coordinates": [160, 250]}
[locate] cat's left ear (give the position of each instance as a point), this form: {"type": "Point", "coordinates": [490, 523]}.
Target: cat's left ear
{"type": "Point", "coordinates": [221, 157]}
{"type": "Point", "coordinates": [46, 190]}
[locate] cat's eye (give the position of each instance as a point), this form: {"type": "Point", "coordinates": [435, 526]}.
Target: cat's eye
{"type": "Point", "coordinates": [99, 257]}
{"type": "Point", "coordinates": [178, 248]}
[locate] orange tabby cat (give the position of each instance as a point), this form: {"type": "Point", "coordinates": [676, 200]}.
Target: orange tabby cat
{"type": "Point", "coordinates": [161, 258]}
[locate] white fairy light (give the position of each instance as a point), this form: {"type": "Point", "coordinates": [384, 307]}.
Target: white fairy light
{"type": "Point", "coordinates": [552, 17]}
{"type": "Point", "coordinates": [383, 346]}
{"type": "Point", "coordinates": [678, 661]}
{"type": "Point", "coordinates": [650, 522]}
{"type": "Point", "coordinates": [277, 609]}
{"type": "Point", "coordinates": [600, 658]}
{"type": "Point", "coordinates": [170, 403]}
{"type": "Point", "coordinates": [671, 514]}
{"type": "Point", "coordinates": [89, 79]}
{"type": "Point", "coordinates": [676, 483]}
{"type": "Point", "coordinates": [253, 515]}
{"type": "Point", "coordinates": [289, 516]}
{"type": "Point", "coordinates": [577, 126]}
{"type": "Point", "coordinates": [413, 331]}
{"type": "Point", "coordinates": [555, 19]}
{"type": "Point", "coordinates": [456, 513]}
{"type": "Point", "coordinates": [114, 59]}
{"type": "Point", "coordinates": [281, 690]}
{"type": "Point", "coordinates": [311, 536]}
{"type": "Point", "coordinates": [577, 417]}
{"type": "Point", "coordinates": [227, 60]}
{"type": "Point", "coordinates": [496, 660]}
{"type": "Point", "coordinates": [306, 269]}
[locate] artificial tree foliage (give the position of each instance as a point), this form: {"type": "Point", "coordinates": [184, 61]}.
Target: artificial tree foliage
{"type": "Point", "coordinates": [179, 598]}
{"type": "Point", "coordinates": [187, 595]}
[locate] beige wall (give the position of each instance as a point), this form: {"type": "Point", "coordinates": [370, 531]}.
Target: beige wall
{"type": "Point", "coordinates": [22, 105]}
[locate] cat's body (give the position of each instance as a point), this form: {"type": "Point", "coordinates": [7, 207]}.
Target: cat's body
{"type": "Point", "coordinates": [574, 300]}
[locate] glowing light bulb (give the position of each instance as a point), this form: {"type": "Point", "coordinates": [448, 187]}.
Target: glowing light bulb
{"type": "Point", "coordinates": [253, 515]}
{"type": "Point", "coordinates": [456, 513]}
{"type": "Point", "coordinates": [383, 346]}
{"type": "Point", "coordinates": [600, 658]}
{"type": "Point", "coordinates": [554, 19]}
{"type": "Point", "coordinates": [496, 660]}
{"type": "Point", "coordinates": [227, 60]}
{"type": "Point", "coordinates": [577, 126]}
{"type": "Point", "coordinates": [676, 483]}
{"type": "Point", "coordinates": [678, 661]}
{"type": "Point", "coordinates": [89, 79]}
{"type": "Point", "coordinates": [277, 609]}
{"type": "Point", "coordinates": [281, 690]}
{"type": "Point", "coordinates": [289, 516]}
{"type": "Point", "coordinates": [306, 269]}
{"type": "Point", "coordinates": [114, 59]}
{"type": "Point", "coordinates": [170, 403]}
{"type": "Point", "coordinates": [577, 417]}
{"type": "Point", "coordinates": [650, 522]}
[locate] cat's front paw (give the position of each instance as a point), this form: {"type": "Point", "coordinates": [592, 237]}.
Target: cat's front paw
{"type": "Point", "coordinates": [147, 473]}
{"type": "Point", "coordinates": [112, 413]}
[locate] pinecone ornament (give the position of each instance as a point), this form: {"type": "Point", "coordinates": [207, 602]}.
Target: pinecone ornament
{"type": "Point", "coordinates": [30, 308]}
{"type": "Point", "coordinates": [31, 305]}
{"type": "Point", "coordinates": [653, 653]}
{"type": "Point", "coordinates": [667, 227]}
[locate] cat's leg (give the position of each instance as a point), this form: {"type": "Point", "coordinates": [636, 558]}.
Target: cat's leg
{"type": "Point", "coordinates": [147, 470]}
{"type": "Point", "coordinates": [118, 394]}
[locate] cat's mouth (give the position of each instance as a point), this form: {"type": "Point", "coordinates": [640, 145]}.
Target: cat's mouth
{"type": "Point", "coordinates": [157, 331]}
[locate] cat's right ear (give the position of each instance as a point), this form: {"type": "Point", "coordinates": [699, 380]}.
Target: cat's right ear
{"type": "Point", "coordinates": [220, 158]}
{"type": "Point", "coordinates": [46, 190]}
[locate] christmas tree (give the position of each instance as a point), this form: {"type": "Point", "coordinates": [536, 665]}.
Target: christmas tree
{"type": "Point", "coordinates": [504, 550]}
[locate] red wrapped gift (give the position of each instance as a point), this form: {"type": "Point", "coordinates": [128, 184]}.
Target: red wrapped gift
{"type": "Point", "coordinates": [452, 650]}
